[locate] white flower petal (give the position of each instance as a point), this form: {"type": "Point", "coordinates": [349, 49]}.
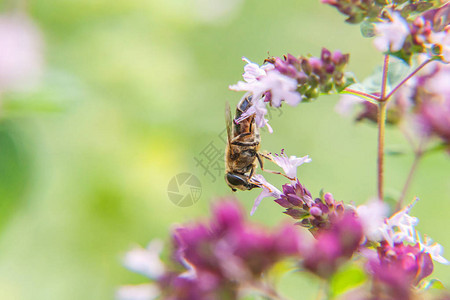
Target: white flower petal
{"type": "Point", "coordinates": [391, 35]}
{"type": "Point", "coordinates": [290, 164]}
{"type": "Point", "coordinates": [268, 190]}
{"type": "Point", "coordinates": [146, 261]}
{"type": "Point", "coordinates": [372, 216]}
{"type": "Point", "coordinates": [434, 249]}
{"type": "Point", "coordinates": [137, 292]}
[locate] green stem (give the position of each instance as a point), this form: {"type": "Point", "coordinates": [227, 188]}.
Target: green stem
{"type": "Point", "coordinates": [381, 129]}
{"type": "Point", "coordinates": [384, 79]}
{"type": "Point", "coordinates": [417, 156]}
{"type": "Point", "coordinates": [382, 111]}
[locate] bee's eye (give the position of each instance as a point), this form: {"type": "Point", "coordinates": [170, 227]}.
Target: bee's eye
{"type": "Point", "coordinates": [235, 179]}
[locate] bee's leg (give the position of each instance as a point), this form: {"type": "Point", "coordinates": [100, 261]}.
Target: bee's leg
{"type": "Point", "coordinates": [260, 155]}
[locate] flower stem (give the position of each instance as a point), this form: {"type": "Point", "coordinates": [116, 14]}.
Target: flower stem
{"type": "Point", "coordinates": [384, 79]}
{"type": "Point", "coordinates": [361, 94]}
{"type": "Point", "coordinates": [408, 77]}
{"type": "Point", "coordinates": [417, 156]}
{"type": "Point", "coordinates": [381, 129]}
{"type": "Point", "coordinates": [382, 111]}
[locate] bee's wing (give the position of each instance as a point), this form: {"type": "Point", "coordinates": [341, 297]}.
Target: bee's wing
{"type": "Point", "coordinates": [228, 123]}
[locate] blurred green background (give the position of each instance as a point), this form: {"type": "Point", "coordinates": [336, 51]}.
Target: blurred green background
{"type": "Point", "coordinates": [132, 92]}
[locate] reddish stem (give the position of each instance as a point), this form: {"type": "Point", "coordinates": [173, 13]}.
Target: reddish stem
{"type": "Point", "coordinates": [381, 126]}
{"type": "Point", "coordinates": [363, 94]}
{"type": "Point", "coordinates": [408, 77]}
{"type": "Point", "coordinates": [384, 79]}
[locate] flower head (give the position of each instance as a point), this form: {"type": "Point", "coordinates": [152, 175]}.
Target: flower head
{"type": "Point", "coordinates": [289, 164]}
{"type": "Point", "coordinates": [397, 268]}
{"type": "Point", "coordinates": [259, 110]}
{"type": "Point", "coordinates": [21, 57]}
{"type": "Point", "coordinates": [138, 292]}
{"type": "Point", "coordinates": [400, 227]}
{"type": "Point", "coordinates": [391, 35]}
{"type": "Point", "coordinates": [146, 261]}
{"type": "Point", "coordinates": [434, 249]}
{"type": "Point", "coordinates": [334, 246]}
{"type": "Point", "coordinates": [372, 217]}
{"type": "Point", "coordinates": [268, 190]}
{"type": "Point", "coordinates": [441, 40]}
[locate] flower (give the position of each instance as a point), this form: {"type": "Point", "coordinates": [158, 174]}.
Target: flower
{"type": "Point", "coordinates": [146, 261]}
{"type": "Point", "coordinates": [214, 259]}
{"type": "Point", "coordinates": [334, 246]}
{"type": "Point", "coordinates": [268, 190]}
{"type": "Point", "coordinates": [400, 227]}
{"type": "Point", "coordinates": [289, 164]}
{"type": "Point", "coordinates": [434, 118]}
{"type": "Point", "coordinates": [434, 249]}
{"type": "Point", "coordinates": [259, 110]}
{"type": "Point", "coordinates": [391, 35]}
{"type": "Point", "coordinates": [397, 268]}
{"type": "Point", "coordinates": [253, 71]}
{"type": "Point", "coordinates": [21, 57]}
{"type": "Point", "coordinates": [317, 215]}
{"type": "Point", "coordinates": [259, 80]}
{"type": "Point", "coordinates": [138, 292]}
{"type": "Point", "coordinates": [442, 40]}
{"type": "Point", "coordinates": [372, 217]}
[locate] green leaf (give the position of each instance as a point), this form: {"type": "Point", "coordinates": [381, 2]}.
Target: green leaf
{"type": "Point", "coordinates": [321, 193]}
{"type": "Point", "coordinates": [397, 71]}
{"type": "Point", "coordinates": [395, 150]}
{"type": "Point", "coordinates": [349, 80]}
{"type": "Point", "coordinates": [348, 277]}
{"type": "Point", "coordinates": [367, 29]}
{"type": "Point", "coordinates": [437, 148]}
{"type": "Point", "coordinates": [431, 284]}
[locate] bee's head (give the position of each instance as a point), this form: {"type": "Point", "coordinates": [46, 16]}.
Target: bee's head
{"type": "Point", "coordinates": [238, 181]}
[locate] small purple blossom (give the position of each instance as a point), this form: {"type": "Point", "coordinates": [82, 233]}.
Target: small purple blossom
{"type": "Point", "coordinates": [442, 40]}
{"type": "Point", "coordinates": [268, 190]}
{"type": "Point", "coordinates": [289, 164]}
{"type": "Point", "coordinates": [259, 80]}
{"type": "Point", "coordinates": [400, 227]}
{"type": "Point", "coordinates": [316, 215]}
{"type": "Point", "coordinates": [259, 110]}
{"type": "Point", "coordinates": [434, 118]}
{"type": "Point", "coordinates": [434, 249]}
{"type": "Point", "coordinates": [138, 292]}
{"type": "Point", "coordinates": [21, 52]}
{"type": "Point", "coordinates": [372, 216]}
{"type": "Point", "coordinates": [146, 261]}
{"type": "Point", "coordinates": [334, 246]}
{"type": "Point", "coordinates": [391, 35]}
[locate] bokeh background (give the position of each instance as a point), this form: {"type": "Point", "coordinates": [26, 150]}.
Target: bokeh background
{"type": "Point", "coordinates": [115, 98]}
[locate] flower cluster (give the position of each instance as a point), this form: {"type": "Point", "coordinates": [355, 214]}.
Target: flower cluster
{"type": "Point", "coordinates": [357, 11]}
{"type": "Point", "coordinates": [315, 214]}
{"type": "Point", "coordinates": [334, 246]}
{"type": "Point", "coordinates": [291, 79]}
{"type": "Point", "coordinates": [213, 260]}
{"type": "Point", "coordinates": [401, 259]}
{"type": "Point", "coordinates": [397, 268]}
{"type": "Point", "coordinates": [401, 28]}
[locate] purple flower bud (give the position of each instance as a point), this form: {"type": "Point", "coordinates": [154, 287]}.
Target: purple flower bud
{"type": "Point", "coordinates": [306, 67]}
{"type": "Point", "coordinates": [315, 211]}
{"type": "Point", "coordinates": [328, 197]}
{"type": "Point", "coordinates": [316, 65]}
{"type": "Point", "coordinates": [325, 56]}
{"type": "Point", "coordinates": [294, 213]}
{"type": "Point", "coordinates": [329, 68]}
{"type": "Point", "coordinates": [338, 58]}
{"type": "Point", "coordinates": [334, 246]}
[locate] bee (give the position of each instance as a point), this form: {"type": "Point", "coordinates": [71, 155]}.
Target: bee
{"type": "Point", "coordinates": [242, 148]}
